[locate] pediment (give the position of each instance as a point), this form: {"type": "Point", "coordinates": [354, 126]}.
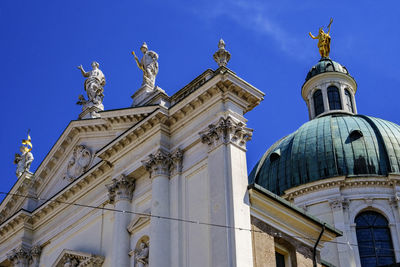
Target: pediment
{"type": "Point", "coordinates": [73, 258]}
{"type": "Point", "coordinates": [73, 154]}
{"type": "Point", "coordinates": [139, 222]}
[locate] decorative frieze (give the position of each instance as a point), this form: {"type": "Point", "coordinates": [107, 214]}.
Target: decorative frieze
{"type": "Point", "coordinates": [224, 131]}
{"type": "Point", "coordinates": [164, 163]}
{"type": "Point", "coordinates": [121, 188]}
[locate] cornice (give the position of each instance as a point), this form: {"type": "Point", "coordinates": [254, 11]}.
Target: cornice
{"type": "Point", "coordinates": [131, 135]}
{"type": "Point", "coordinates": [342, 182]}
{"type": "Point", "coordinates": [289, 221]}
{"type": "Point", "coordinates": [65, 195]}
{"type": "Point", "coordinates": [13, 223]}
{"type": "Point", "coordinates": [225, 83]}
{"type": "Point", "coordinates": [77, 187]}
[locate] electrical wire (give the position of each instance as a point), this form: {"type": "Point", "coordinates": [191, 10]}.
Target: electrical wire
{"type": "Point", "coordinates": [185, 220]}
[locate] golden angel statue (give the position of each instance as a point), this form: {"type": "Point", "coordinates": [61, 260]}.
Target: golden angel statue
{"type": "Point", "coordinates": [324, 40]}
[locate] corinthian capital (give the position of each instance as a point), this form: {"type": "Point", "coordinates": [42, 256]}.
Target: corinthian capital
{"type": "Point", "coordinates": [224, 131]}
{"type": "Point", "coordinates": [159, 163]}
{"type": "Point", "coordinates": [121, 188]}
{"type": "Point", "coordinates": [19, 256]}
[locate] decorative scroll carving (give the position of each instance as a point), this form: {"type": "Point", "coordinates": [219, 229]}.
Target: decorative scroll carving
{"type": "Point", "coordinates": [79, 163]}
{"type": "Point", "coordinates": [19, 256]}
{"type": "Point", "coordinates": [35, 255]}
{"type": "Point", "coordinates": [121, 188]}
{"type": "Point", "coordinates": [164, 163]}
{"type": "Point", "coordinates": [23, 256]}
{"type": "Point", "coordinates": [225, 131]}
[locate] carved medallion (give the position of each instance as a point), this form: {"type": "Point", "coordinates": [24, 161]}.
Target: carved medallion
{"type": "Point", "coordinates": [79, 163]}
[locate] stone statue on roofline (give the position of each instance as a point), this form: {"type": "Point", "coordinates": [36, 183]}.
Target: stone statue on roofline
{"type": "Point", "coordinates": [24, 160]}
{"type": "Point", "coordinates": [94, 89]}
{"type": "Point", "coordinates": [148, 64]}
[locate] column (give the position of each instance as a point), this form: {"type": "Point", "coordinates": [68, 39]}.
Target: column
{"type": "Point", "coordinates": [229, 200]}
{"type": "Point", "coordinates": [120, 193]}
{"type": "Point", "coordinates": [159, 165]}
{"type": "Point", "coordinates": [325, 97]}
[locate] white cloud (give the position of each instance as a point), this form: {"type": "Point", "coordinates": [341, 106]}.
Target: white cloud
{"type": "Point", "coordinates": [253, 15]}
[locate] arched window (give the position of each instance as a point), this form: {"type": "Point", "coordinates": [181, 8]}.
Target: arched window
{"type": "Point", "coordinates": [349, 102]}
{"type": "Point", "coordinates": [374, 240]}
{"type": "Point", "coordinates": [334, 98]}
{"type": "Point", "coordinates": [318, 102]}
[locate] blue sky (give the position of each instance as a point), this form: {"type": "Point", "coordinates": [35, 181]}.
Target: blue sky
{"type": "Point", "coordinates": [42, 42]}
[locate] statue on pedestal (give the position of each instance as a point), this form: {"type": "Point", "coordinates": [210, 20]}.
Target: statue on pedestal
{"type": "Point", "coordinates": [24, 159]}
{"type": "Point", "coordinates": [94, 88]}
{"type": "Point", "coordinates": [149, 65]}
{"type": "Point", "coordinates": [324, 41]}
{"type": "Point", "coordinates": [142, 255]}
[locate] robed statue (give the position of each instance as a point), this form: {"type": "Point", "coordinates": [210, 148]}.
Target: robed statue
{"type": "Point", "coordinates": [142, 255]}
{"type": "Point", "coordinates": [94, 88]}
{"type": "Point", "coordinates": [324, 40]}
{"type": "Point", "coordinates": [24, 159]}
{"type": "Point", "coordinates": [149, 65]}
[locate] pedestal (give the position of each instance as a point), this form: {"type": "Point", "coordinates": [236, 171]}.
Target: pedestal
{"type": "Point", "coordinates": [147, 95]}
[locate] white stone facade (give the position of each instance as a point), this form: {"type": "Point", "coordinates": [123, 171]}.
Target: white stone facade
{"type": "Point", "coordinates": [183, 162]}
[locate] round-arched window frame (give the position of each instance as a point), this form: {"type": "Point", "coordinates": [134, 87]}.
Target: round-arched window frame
{"type": "Point", "coordinates": [374, 240]}
{"type": "Point", "coordinates": [334, 98]}
{"type": "Point", "coordinates": [349, 101]}
{"type": "Point", "coordinates": [318, 102]}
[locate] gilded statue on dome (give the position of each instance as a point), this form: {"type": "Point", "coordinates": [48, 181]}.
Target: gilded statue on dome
{"type": "Point", "coordinates": [24, 159]}
{"type": "Point", "coordinates": [324, 40]}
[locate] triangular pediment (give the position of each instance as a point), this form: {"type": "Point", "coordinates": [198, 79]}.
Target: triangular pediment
{"type": "Point", "coordinates": [139, 222]}
{"type": "Point", "coordinates": [73, 154]}
{"type": "Point", "coordinates": [78, 259]}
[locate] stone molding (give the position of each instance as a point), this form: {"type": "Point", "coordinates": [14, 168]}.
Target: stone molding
{"type": "Point", "coordinates": [77, 258]}
{"type": "Point", "coordinates": [121, 188]}
{"type": "Point", "coordinates": [341, 182]}
{"type": "Point", "coordinates": [133, 134]}
{"type": "Point", "coordinates": [225, 131]}
{"type": "Point", "coordinates": [164, 163]}
{"type": "Point", "coordinates": [25, 256]}
{"type": "Point", "coordinates": [139, 222]}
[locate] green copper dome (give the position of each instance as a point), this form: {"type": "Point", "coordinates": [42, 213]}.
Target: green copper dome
{"type": "Point", "coordinates": [326, 65]}
{"type": "Point", "coordinates": [330, 146]}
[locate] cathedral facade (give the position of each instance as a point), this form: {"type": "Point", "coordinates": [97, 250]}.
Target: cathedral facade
{"type": "Point", "coordinates": [165, 181]}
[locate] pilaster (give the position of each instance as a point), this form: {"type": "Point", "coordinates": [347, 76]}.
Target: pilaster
{"type": "Point", "coordinates": [120, 194]}
{"type": "Point", "coordinates": [229, 202]}
{"type": "Point", "coordinates": [339, 207]}
{"type": "Point", "coordinates": [160, 165]}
